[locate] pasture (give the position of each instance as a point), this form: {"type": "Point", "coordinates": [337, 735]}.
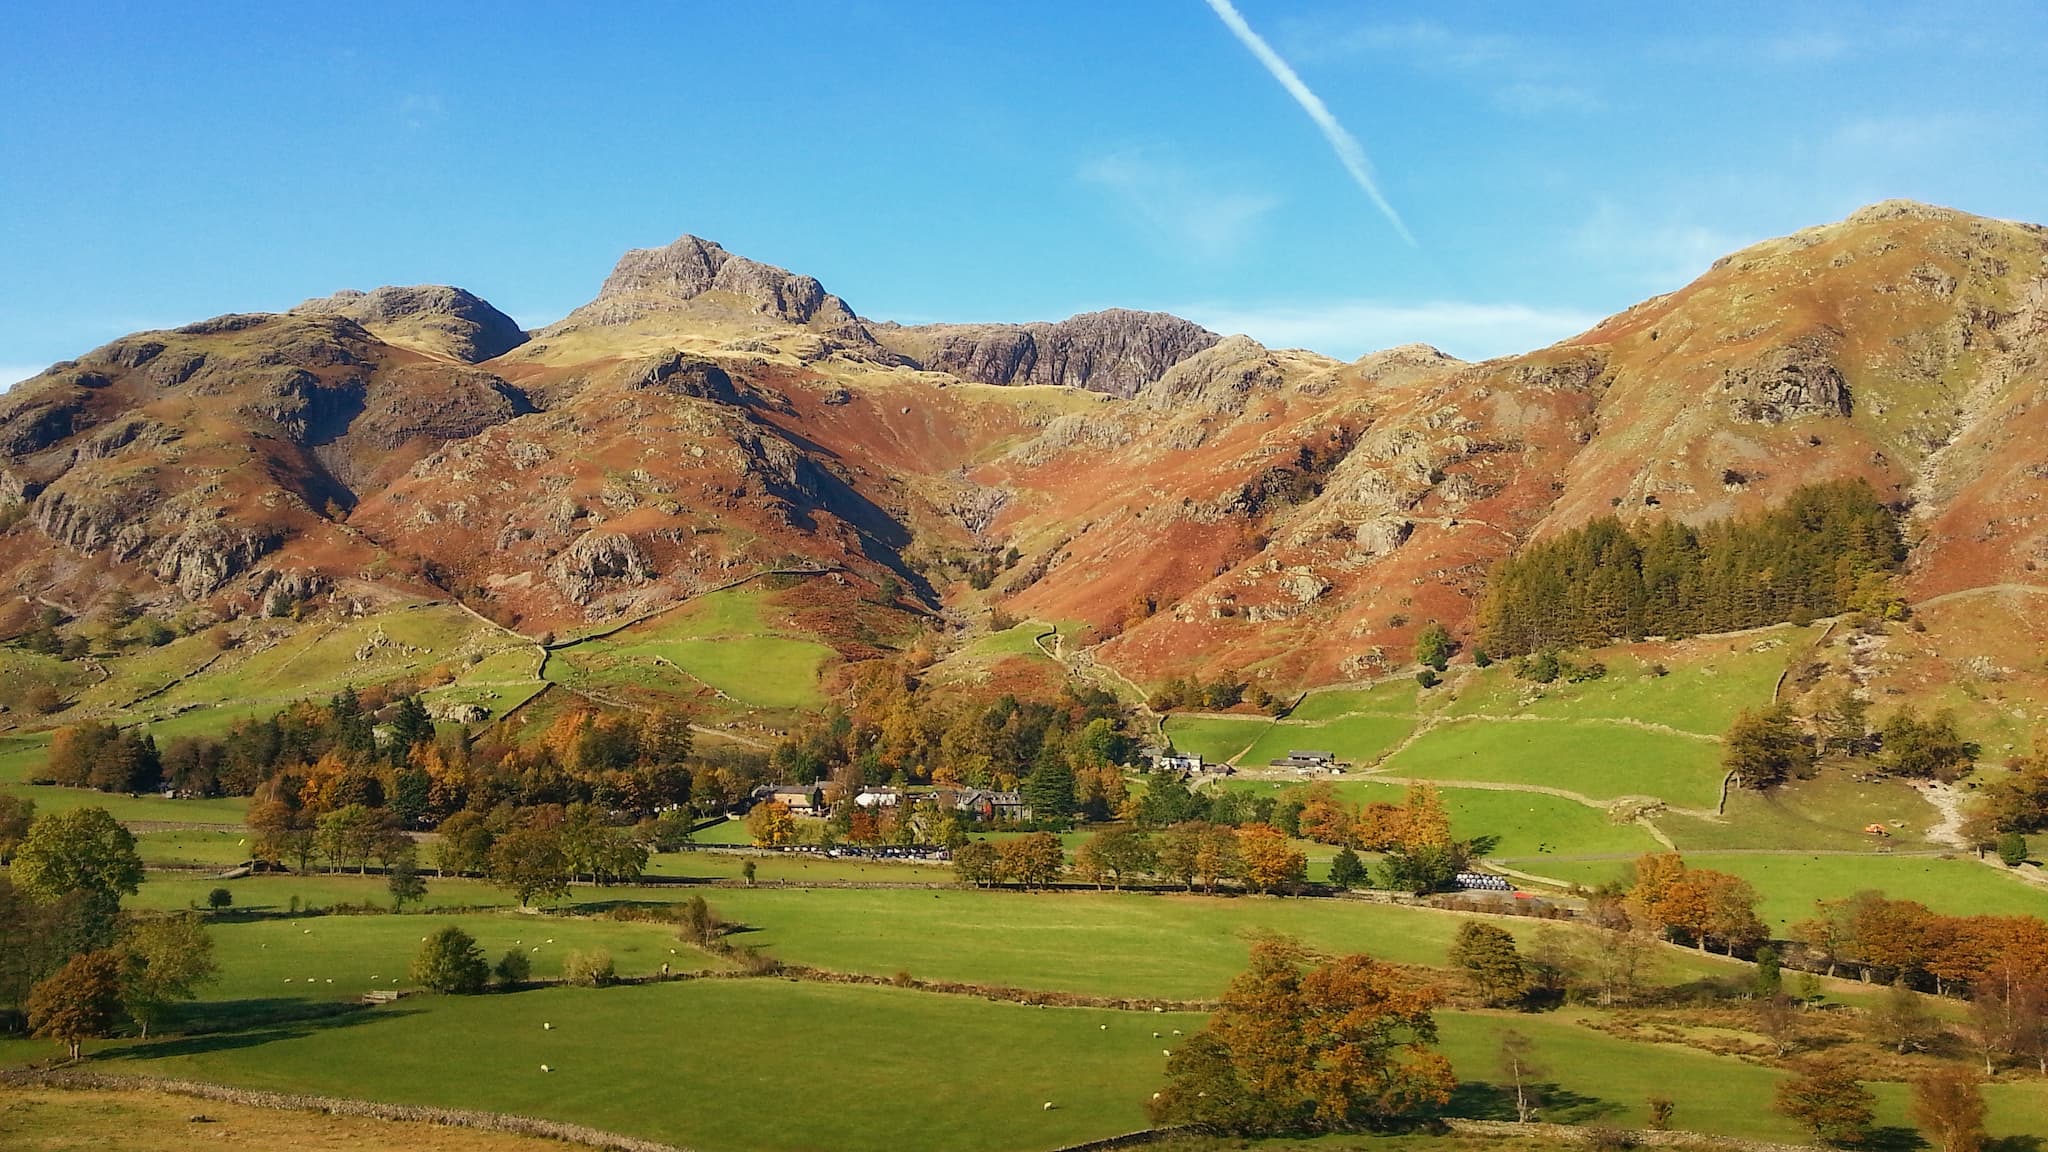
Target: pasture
{"type": "Point", "coordinates": [1602, 761]}
{"type": "Point", "coordinates": [1215, 738]}
{"type": "Point", "coordinates": [1789, 883]}
{"type": "Point", "coordinates": [1357, 739]}
{"type": "Point", "coordinates": [723, 641]}
{"type": "Point", "coordinates": [1703, 683]}
{"type": "Point", "coordinates": [724, 1064]}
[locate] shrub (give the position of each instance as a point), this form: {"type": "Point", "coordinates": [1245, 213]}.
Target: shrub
{"type": "Point", "coordinates": [450, 961]}
{"type": "Point", "coordinates": [2012, 848]}
{"type": "Point", "coordinates": [592, 969]}
{"type": "Point", "coordinates": [1427, 678]}
{"type": "Point", "coordinates": [219, 898]}
{"type": "Point", "coordinates": [513, 968]}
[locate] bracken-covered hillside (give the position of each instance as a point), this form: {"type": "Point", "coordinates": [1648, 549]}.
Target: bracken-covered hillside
{"type": "Point", "coordinates": [1178, 499]}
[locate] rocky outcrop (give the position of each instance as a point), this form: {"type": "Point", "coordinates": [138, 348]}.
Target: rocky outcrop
{"type": "Point", "coordinates": [681, 374]}
{"type": "Point", "coordinates": [648, 281]}
{"type": "Point", "coordinates": [1786, 383]}
{"type": "Point", "coordinates": [1116, 351]}
{"type": "Point", "coordinates": [207, 555]}
{"type": "Point", "coordinates": [1219, 378]}
{"type": "Point", "coordinates": [596, 560]}
{"type": "Point", "coordinates": [430, 317]}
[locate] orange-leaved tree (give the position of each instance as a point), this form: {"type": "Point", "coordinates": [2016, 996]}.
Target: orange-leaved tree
{"type": "Point", "coordinates": [1305, 1043]}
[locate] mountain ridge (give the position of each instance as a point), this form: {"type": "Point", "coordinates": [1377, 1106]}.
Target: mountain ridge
{"type": "Point", "coordinates": [1193, 500]}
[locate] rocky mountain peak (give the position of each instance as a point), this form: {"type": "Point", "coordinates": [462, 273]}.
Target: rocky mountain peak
{"type": "Point", "coordinates": [433, 318]}
{"type": "Point", "coordinates": [693, 272]}
{"type": "Point", "coordinates": [1118, 351]}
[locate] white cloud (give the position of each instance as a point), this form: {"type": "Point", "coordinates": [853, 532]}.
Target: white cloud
{"type": "Point", "coordinates": [1350, 152]}
{"type": "Point", "coordinates": [1351, 328]}
{"type": "Point", "coordinates": [1177, 207]}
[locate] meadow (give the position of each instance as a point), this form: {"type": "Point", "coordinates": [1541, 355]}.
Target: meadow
{"type": "Point", "coordinates": [721, 640]}
{"type": "Point", "coordinates": [1788, 883]}
{"type": "Point", "coordinates": [1602, 761]}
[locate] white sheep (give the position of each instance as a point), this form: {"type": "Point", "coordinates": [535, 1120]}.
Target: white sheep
{"type": "Point", "coordinates": [547, 1027]}
{"type": "Point", "coordinates": [1155, 1035]}
{"type": "Point", "coordinates": [545, 1068]}
{"type": "Point", "coordinates": [1166, 1051]}
{"type": "Point", "coordinates": [1104, 1027]}
{"type": "Point", "coordinates": [1176, 1031]}
{"type": "Point", "coordinates": [1048, 1105]}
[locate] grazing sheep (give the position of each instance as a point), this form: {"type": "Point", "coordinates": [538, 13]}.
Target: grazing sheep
{"type": "Point", "coordinates": [1176, 1031]}
{"type": "Point", "coordinates": [546, 1027]}
{"type": "Point", "coordinates": [1104, 1027]}
{"type": "Point", "coordinates": [545, 1068]}
{"type": "Point", "coordinates": [1166, 1051]}
{"type": "Point", "coordinates": [1048, 1105]}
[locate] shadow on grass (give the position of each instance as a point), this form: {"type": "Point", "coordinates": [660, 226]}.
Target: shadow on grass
{"type": "Point", "coordinates": [1479, 1100]}
{"type": "Point", "coordinates": [227, 1023]}
{"type": "Point", "coordinates": [1894, 1139]}
{"type": "Point", "coordinates": [2016, 1144]}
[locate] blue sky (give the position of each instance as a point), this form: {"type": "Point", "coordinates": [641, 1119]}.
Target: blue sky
{"type": "Point", "coordinates": [1554, 162]}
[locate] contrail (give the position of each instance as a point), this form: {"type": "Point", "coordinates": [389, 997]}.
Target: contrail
{"type": "Point", "coordinates": [1343, 143]}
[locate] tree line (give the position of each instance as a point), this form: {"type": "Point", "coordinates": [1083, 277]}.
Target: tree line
{"type": "Point", "coordinates": [1827, 549]}
{"type": "Point", "coordinates": [73, 964]}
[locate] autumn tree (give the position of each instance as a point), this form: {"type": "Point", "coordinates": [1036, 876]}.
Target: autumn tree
{"type": "Point", "coordinates": [529, 862]}
{"type": "Point", "coordinates": [1827, 1100]}
{"type": "Point", "coordinates": [450, 961]}
{"type": "Point", "coordinates": [1033, 859]}
{"type": "Point", "coordinates": [1948, 1107]}
{"type": "Point", "coordinates": [164, 960]}
{"type": "Point", "coordinates": [1116, 855]}
{"type": "Point", "coordinates": [1764, 747]}
{"type": "Point", "coordinates": [80, 1001]}
{"type": "Point", "coordinates": [1488, 955]}
{"type": "Point", "coordinates": [1900, 1021]}
{"type": "Point", "coordinates": [1307, 1043]}
{"type": "Point", "coordinates": [977, 863]}
{"type": "Point", "coordinates": [771, 825]}
{"type": "Point", "coordinates": [1270, 863]}
{"type": "Point", "coordinates": [1178, 850]}
{"type": "Point", "coordinates": [1216, 855]}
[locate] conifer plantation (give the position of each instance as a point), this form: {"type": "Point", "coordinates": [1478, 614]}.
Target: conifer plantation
{"type": "Point", "coordinates": [1827, 549]}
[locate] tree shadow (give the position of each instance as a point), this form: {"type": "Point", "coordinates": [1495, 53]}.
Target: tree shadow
{"type": "Point", "coordinates": [1480, 1100]}
{"type": "Point", "coordinates": [1893, 1138]}
{"type": "Point", "coordinates": [246, 1026]}
{"type": "Point", "coordinates": [2016, 1144]}
{"type": "Point", "coordinates": [216, 1016]}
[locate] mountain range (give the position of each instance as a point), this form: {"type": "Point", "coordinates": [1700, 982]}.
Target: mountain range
{"type": "Point", "coordinates": [1186, 501]}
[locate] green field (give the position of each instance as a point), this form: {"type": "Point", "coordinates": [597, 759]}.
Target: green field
{"type": "Point", "coordinates": [721, 640]}
{"type": "Point", "coordinates": [187, 847]}
{"type": "Point", "coordinates": [1356, 740]}
{"type": "Point", "coordinates": [342, 957]}
{"type": "Point", "coordinates": [691, 1062]}
{"type": "Point", "coordinates": [727, 1064]}
{"type": "Point", "coordinates": [1106, 944]}
{"type": "Point", "coordinates": [227, 810]}
{"type": "Point", "coordinates": [1395, 696]}
{"type": "Point", "coordinates": [1705, 684]}
{"type": "Point", "coordinates": [1789, 884]}
{"type": "Point", "coordinates": [1829, 811]}
{"type": "Point", "coordinates": [1597, 760]}
{"type": "Point", "coordinates": [1215, 738]}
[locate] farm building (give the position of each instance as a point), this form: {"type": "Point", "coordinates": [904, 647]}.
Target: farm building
{"type": "Point", "coordinates": [984, 804]}
{"type": "Point", "coordinates": [1187, 764]}
{"type": "Point", "coordinates": [800, 799]}
{"type": "Point", "coordinates": [878, 797]}
{"type": "Point", "coordinates": [1309, 760]}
